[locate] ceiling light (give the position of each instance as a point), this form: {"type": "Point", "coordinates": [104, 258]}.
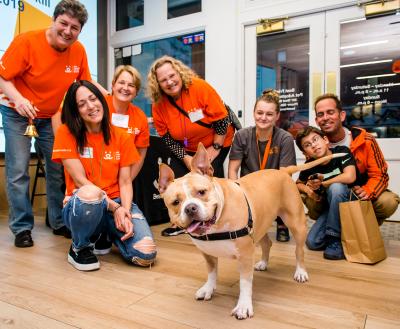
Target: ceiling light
{"type": "Point", "coordinates": [354, 20]}
{"type": "Point", "coordinates": [367, 63]}
{"type": "Point", "coordinates": [377, 76]}
{"type": "Point", "coordinates": [365, 44]}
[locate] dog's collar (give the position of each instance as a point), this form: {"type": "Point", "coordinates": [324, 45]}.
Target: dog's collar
{"type": "Point", "coordinates": [231, 235]}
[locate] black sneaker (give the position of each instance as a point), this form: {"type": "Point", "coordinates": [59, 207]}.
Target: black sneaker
{"type": "Point", "coordinates": [334, 249]}
{"type": "Point", "coordinates": [282, 234]}
{"type": "Point", "coordinates": [23, 239]}
{"type": "Point", "coordinates": [172, 231]}
{"type": "Point", "coordinates": [102, 246]}
{"type": "Point", "coordinates": [63, 231]}
{"type": "Point", "coordinates": [84, 259]}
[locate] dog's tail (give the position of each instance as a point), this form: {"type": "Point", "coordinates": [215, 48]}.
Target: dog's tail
{"type": "Point", "coordinates": [292, 169]}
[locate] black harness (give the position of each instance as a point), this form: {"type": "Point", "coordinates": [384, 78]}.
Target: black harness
{"type": "Point", "coordinates": [232, 235]}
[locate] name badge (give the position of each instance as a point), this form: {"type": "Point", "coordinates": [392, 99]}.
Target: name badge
{"type": "Point", "coordinates": [120, 120]}
{"type": "Point", "coordinates": [196, 115]}
{"type": "Point", "coordinates": [87, 153]}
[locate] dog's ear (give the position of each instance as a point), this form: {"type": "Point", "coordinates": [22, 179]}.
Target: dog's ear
{"type": "Point", "coordinates": [201, 163]}
{"type": "Point", "coordinates": [165, 177]}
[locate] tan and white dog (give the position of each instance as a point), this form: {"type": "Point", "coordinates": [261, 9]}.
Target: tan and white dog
{"type": "Point", "coordinates": [212, 208]}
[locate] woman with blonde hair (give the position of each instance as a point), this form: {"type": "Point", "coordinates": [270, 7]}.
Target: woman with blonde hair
{"type": "Point", "coordinates": [186, 111]}
{"type": "Point", "coordinates": [263, 146]}
{"type": "Point", "coordinates": [125, 86]}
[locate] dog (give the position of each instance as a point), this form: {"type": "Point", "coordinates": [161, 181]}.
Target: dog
{"type": "Point", "coordinates": [227, 218]}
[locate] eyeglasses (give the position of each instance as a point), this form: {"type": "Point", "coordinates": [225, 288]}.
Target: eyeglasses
{"type": "Point", "coordinates": [314, 140]}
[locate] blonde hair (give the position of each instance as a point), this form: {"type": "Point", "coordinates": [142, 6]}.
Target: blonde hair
{"type": "Point", "coordinates": [137, 79]}
{"type": "Point", "coordinates": [154, 92]}
{"type": "Point", "coordinates": [269, 96]}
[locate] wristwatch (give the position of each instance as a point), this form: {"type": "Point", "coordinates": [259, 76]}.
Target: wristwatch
{"type": "Point", "coordinates": [217, 146]}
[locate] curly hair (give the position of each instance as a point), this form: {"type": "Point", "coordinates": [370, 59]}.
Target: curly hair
{"type": "Point", "coordinates": [154, 92]}
{"type": "Point", "coordinates": [72, 8]}
{"type": "Point", "coordinates": [269, 96]}
{"type": "Point", "coordinates": [137, 79]}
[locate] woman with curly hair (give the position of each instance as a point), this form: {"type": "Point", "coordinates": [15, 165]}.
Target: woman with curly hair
{"type": "Point", "coordinates": [263, 146]}
{"type": "Point", "coordinates": [186, 111]}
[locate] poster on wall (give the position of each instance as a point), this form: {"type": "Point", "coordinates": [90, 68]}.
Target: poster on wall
{"type": "Point", "coordinates": [18, 16]}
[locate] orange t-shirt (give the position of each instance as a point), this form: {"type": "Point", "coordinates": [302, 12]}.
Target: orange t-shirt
{"type": "Point", "coordinates": [199, 95]}
{"type": "Point", "coordinates": [100, 161]}
{"type": "Point", "coordinates": [40, 73]}
{"type": "Point", "coordinates": [137, 124]}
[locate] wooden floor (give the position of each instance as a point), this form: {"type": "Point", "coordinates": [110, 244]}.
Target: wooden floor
{"type": "Point", "coordinates": [39, 289]}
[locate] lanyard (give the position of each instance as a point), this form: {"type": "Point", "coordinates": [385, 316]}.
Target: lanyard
{"type": "Point", "coordinates": [266, 153]}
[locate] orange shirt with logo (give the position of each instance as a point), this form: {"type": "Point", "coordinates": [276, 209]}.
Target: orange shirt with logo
{"type": "Point", "coordinates": [137, 124]}
{"type": "Point", "coordinates": [100, 161]}
{"type": "Point", "coordinates": [199, 95]}
{"type": "Point", "coordinates": [40, 73]}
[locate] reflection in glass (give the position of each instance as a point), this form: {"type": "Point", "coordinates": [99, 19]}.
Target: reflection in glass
{"type": "Point", "coordinates": [178, 8]}
{"type": "Point", "coordinates": [369, 88]}
{"type": "Point", "coordinates": [283, 64]}
{"type": "Point", "coordinates": [129, 13]}
{"type": "Point", "coordinates": [189, 49]}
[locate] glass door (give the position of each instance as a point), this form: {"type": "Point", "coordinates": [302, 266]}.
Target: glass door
{"type": "Point", "coordinates": [291, 62]}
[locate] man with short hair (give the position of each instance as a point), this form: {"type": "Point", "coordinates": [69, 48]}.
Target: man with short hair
{"type": "Point", "coordinates": [372, 176]}
{"type": "Point", "coordinates": [35, 72]}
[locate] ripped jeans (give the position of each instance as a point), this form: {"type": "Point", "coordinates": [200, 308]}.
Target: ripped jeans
{"type": "Point", "coordinates": [87, 219]}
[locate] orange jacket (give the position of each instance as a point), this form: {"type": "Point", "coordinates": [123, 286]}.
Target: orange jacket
{"type": "Point", "coordinates": [371, 165]}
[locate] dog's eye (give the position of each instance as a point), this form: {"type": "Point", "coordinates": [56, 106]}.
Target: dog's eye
{"type": "Point", "coordinates": [201, 192]}
{"type": "Point", "coordinates": [175, 203]}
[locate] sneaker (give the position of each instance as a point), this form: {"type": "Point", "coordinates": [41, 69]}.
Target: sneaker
{"type": "Point", "coordinates": [23, 239]}
{"type": "Point", "coordinates": [63, 231]}
{"type": "Point", "coordinates": [334, 249]}
{"type": "Point", "coordinates": [84, 259]}
{"type": "Point", "coordinates": [282, 234]}
{"type": "Point", "coordinates": [172, 231]}
{"type": "Point", "coordinates": [102, 246]}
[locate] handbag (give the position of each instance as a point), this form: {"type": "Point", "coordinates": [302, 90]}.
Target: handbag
{"type": "Point", "coordinates": [361, 238]}
{"type": "Point", "coordinates": [233, 119]}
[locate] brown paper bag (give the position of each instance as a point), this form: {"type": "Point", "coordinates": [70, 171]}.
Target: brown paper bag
{"type": "Point", "coordinates": [361, 238]}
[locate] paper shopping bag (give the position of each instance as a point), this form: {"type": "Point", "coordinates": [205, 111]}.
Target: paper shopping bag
{"type": "Point", "coordinates": [361, 238]}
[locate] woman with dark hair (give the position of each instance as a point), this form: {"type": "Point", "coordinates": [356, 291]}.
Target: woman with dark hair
{"type": "Point", "coordinates": [97, 159]}
{"type": "Point", "coordinates": [263, 146]}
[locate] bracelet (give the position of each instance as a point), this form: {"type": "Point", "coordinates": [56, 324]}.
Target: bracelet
{"type": "Point", "coordinates": [116, 207]}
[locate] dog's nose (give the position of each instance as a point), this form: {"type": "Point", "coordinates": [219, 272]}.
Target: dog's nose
{"type": "Point", "coordinates": [191, 209]}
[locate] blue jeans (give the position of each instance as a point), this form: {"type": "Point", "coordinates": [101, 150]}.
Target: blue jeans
{"type": "Point", "coordinates": [328, 223]}
{"type": "Point", "coordinates": [87, 219]}
{"type": "Point", "coordinates": [17, 156]}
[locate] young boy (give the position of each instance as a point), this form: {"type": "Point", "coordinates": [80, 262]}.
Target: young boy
{"type": "Point", "coordinates": [327, 184]}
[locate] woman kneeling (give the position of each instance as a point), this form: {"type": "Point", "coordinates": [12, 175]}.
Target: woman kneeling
{"type": "Point", "coordinates": [97, 159]}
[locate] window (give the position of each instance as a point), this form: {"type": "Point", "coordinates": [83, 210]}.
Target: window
{"type": "Point", "coordinates": [129, 13]}
{"type": "Point", "coordinates": [178, 8]}
{"type": "Point", "coordinates": [190, 49]}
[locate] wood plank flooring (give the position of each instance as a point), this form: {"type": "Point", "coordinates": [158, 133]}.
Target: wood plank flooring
{"type": "Point", "coordinates": [39, 289]}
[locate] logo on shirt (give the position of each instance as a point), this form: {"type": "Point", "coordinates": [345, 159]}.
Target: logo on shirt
{"type": "Point", "coordinates": [76, 69]}
{"type": "Point", "coordinates": [68, 69]}
{"type": "Point", "coordinates": [108, 155]}
{"type": "Point", "coordinates": [345, 160]}
{"type": "Point", "coordinates": [72, 69]}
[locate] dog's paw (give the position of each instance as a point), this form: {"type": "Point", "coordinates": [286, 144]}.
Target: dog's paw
{"type": "Point", "coordinates": [300, 275]}
{"type": "Point", "coordinates": [243, 311]}
{"type": "Point", "coordinates": [205, 292]}
{"type": "Point", "coordinates": [261, 265]}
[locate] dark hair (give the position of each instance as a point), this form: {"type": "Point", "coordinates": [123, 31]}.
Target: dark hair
{"type": "Point", "coordinates": [269, 96]}
{"type": "Point", "coordinates": [334, 97]}
{"type": "Point", "coordinates": [72, 8]}
{"type": "Point", "coordinates": [71, 117]}
{"type": "Point", "coordinates": [304, 133]}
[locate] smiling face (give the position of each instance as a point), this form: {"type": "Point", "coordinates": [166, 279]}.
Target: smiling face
{"type": "Point", "coordinates": [265, 115]}
{"type": "Point", "coordinates": [315, 146]}
{"type": "Point", "coordinates": [90, 109]}
{"type": "Point", "coordinates": [124, 88]}
{"type": "Point", "coordinates": [328, 117]}
{"type": "Point", "coordinates": [63, 32]}
{"type": "Point", "coordinates": [169, 80]}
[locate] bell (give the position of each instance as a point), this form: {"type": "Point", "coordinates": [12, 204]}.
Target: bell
{"type": "Point", "coordinates": [31, 130]}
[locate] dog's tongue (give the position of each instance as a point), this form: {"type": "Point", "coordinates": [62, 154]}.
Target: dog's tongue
{"type": "Point", "coordinates": [193, 227]}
